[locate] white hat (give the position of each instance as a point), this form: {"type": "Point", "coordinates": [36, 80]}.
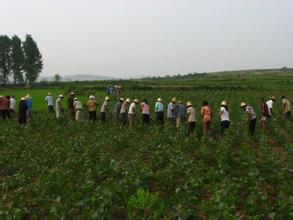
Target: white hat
{"type": "Point", "coordinates": [23, 99]}
{"type": "Point", "coordinates": [174, 99]}
{"type": "Point", "coordinates": [128, 100]}
{"type": "Point", "coordinates": [49, 93]}
{"type": "Point", "coordinates": [121, 99]}
{"type": "Point", "coordinates": [243, 104]}
{"type": "Point", "coordinates": [135, 100]}
{"type": "Point", "coordinates": [75, 99]}
{"type": "Point", "coordinates": [224, 103]}
{"type": "Point", "coordinates": [61, 96]}
{"type": "Point", "coordinates": [188, 104]}
{"type": "Point", "coordinates": [107, 98]}
{"type": "Point", "coordinates": [159, 100]}
{"type": "Point", "coordinates": [72, 93]}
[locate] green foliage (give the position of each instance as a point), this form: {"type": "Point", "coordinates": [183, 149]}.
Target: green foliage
{"type": "Point", "coordinates": [17, 59]}
{"type": "Point", "coordinates": [5, 59]}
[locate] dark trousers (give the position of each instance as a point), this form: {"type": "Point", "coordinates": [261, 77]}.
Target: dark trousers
{"type": "Point", "coordinates": [22, 119]}
{"type": "Point", "coordinates": [5, 113]}
{"type": "Point", "coordinates": [160, 118]}
{"type": "Point", "coordinates": [103, 116]}
{"type": "Point", "coordinates": [92, 116]}
{"type": "Point", "coordinates": [145, 119]}
{"type": "Point", "coordinates": [123, 118]}
{"type": "Point", "coordinates": [251, 127]}
{"type": "Point", "coordinates": [191, 127]}
{"type": "Point", "coordinates": [224, 126]}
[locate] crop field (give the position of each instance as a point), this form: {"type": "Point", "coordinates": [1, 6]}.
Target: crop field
{"type": "Point", "coordinates": [61, 169]}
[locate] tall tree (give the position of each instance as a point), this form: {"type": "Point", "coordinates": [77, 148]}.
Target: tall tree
{"type": "Point", "coordinates": [57, 77]}
{"type": "Point", "coordinates": [33, 64]}
{"type": "Point", "coordinates": [17, 59]}
{"type": "Point", "coordinates": [5, 61]}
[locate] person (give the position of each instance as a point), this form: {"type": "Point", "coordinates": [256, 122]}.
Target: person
{"type": "Point", "coordinates": [12, 105]}
{"type": "Point", "coordinates": [118, 91]}
{"type": "Point", "coordinates": [50, 102]}
{"type": "Point", "coordinates": [159, 110]}
{"type": "Point", "coordinates": [145, 111]}
{"type": "Point", "coordinates": [206, 115]}
{"type": "Point", "coordinates": [22, 111]}
{"type": "Point", "coordinates": [104, 109]}
{"type": "Point", "coordinates": [92, 108]}
{"type": "Point", "coordinates": [224, 117]}
{"type": "Point", "coordinates": [191, 120]}
{"type": "Point", "coordinates": [70, 101]}
{"type": "Point", "coordinates": [251, 117]}
{"type": "Point", "coordinates": [117, 109]}
{"type": "Point", "coordinates": [77, 108]}
{"type": "Point", "coordinates": [270, 105]}
{"type": "Point", "coordinates": [171, 113]}
{"type": "Point", "coordinates": [4, 105]}
{"type": "Point", "coordinates": [29, 103]}
{"type": "Point", "coordinates": [265, 113]}
{"type": "Point", "coordinates": [286, 107]}
{"type": "Point", "coordinates": [58, 106]}
{"type": "Point", "coordinates": [123, 111]}
{"type": "Point", "coordinates": [132, 113]}
{"type": "Point", "coordinates": [181, 114]}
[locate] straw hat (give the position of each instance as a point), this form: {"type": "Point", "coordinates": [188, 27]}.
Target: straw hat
{"type": "Point", "coordinates": [121, 99]}
{"type": "Point", "coordinates": [159, 100]}
{"type": "Point", "coordinates": [107, 98]}
{"type": "Point", "coordinates": [180, 102]}
{"type": "Point", "coordinates": [243, 104]}
{"type": "Point", "coordinates": [224, 103]}
{"type": "Point", "coordinates": [135, 100]}
{"type": "Point", "coordinates": [188, 104]}
{"type": "Point", "coordinates": [23, 99]}
{"type": "Point", "coordinates": [72, 93]}
{"type": "Point", "coordinates": [61, 96]}
{"type": "Point", "coordinates": [75, 99]}
{"type": "Point", "coordinates": [128, 100]}
{"type": "Point", "coordinates": [28, 96]}
{"type": "Point", "coordinates": [273, 98]}
{"type": "Point", "coordinates": [91, 97]}
{"type": "Point", "coordinates": [1, 96]}
{"type": "Point", "coordinates": [49, 93]}
{"type": "Point", "coordinates": [173, 99]}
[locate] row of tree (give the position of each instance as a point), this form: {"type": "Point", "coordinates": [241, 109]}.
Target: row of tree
{"type": "Point", "coordinates": [20, 62]}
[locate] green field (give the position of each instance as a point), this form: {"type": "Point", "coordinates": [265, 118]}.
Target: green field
{"type": "Point", "coordinates": [60, 169]}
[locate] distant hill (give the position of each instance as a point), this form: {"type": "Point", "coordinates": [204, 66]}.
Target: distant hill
{"type": "Point", "coordinates": [78, 77]}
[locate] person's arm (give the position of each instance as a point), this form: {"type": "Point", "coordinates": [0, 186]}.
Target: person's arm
{"type": "Point", "coordinates": [156, 107]}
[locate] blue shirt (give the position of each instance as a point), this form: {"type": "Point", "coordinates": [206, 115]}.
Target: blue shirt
{"type": "Point", "coordinates": [181, 111]}
{"type": "Point", "coordinates": [49, 99]}
{"type": "Point", "coordinates": [29, 103]}
{"type": "Point", "coordinates": [159, 107]}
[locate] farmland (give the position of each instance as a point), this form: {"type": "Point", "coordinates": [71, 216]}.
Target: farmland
{"type": "Point", "coordinates": [63, 169]}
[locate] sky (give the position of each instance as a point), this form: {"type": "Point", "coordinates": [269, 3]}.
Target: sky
{"type": "Point", "coordinates": [133, 38]}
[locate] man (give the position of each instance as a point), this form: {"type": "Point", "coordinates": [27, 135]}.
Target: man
{"type": "Point", "coordinates": [270, 105]}
{"type": "Point", "coordinates": [224, 117]}
{"type": "Point", "coordinates": [22, 111]}
{"type": "Point", "coordinates": [12, 105]}
{"type": "Point", "coordinates": [171, 113]}
{"type": "Point", "coordinates": [77, 108]}
{"type": "Point", "coordinates": [92, 108]}
{"type": "Point", "coordinates": [159, 110]}
{"type": "Point", "coordinates": [132, 113]}
{"type": "Point", "coordinates": [50, 102]}
{"type": "Point", "coordinates": [104, 109]}
{"type": "Point", "coordinates": [29, 103]}
{"type": "Point", "coordinates": [58, 106]}
{"type": "Point", "coordinates": [265, 113]}
{"type": "Point", "coordinates": [181, 115]}
{"type": "Point", "coordinates": [4, 107]}
{"type": "Point", "coordinates": [206, 115]}
{"type": "Point", "coordinates": [117, 109]}
{"type": "Point", "coordinates": [145, 111]}
{"type": "Point", "coordinates": [70, 101]}
{"type": "Point", "coordinates": [190, 118]}
{"type": "Point", "coordinates": [251, 117]}
{"type": "Point", "coordinates": [286, 107]}
{"type": "Point", "coordinates": [123, 111]}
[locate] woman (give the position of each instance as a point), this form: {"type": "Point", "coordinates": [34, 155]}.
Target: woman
{"type": "Point", "coordinates": [145, 110]}
{"type": "Point", "coordinates": [224, 117]}
{"type": "Point", "coordinates": [22, 111]}
{"type": "Point", "coordinates": [206, 114]}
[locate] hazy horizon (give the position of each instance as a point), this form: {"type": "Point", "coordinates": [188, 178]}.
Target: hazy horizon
{"type": "Point", "coordinates": [134, 38]}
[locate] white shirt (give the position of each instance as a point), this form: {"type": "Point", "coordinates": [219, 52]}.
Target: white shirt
{"type": "Point", "coordinates": [132, 108]}
{"type": "Point", "coordinates": [77, 105]}
{"type": "Point", "coordinates": [12, 104]}
{"type": "Point", "coordinates": [49, 99]}
{"type": "Point", "coordinates": [225, 114]}
{"type": "Point", "coordinates": [270, 105]}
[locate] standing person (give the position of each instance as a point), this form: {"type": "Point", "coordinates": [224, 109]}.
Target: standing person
{"type": "Point", "coordinates": [270, 104]}
{"type": "Point", "coordinates": [70, 101]}
{"type": "Point", "coordinates": [145, 111]}
{"type": "Point", "coordinates": [22, 111]}
{"type": "Point", "coordinates": [104, 109]}
{"type": "Point", "coordinates": [265, 113]}
{"type": "Point", "coordinates": [58, 106]}
{"type": "Point", "coordinates": [286, 107]}
{"type": "Point", "coordinates": [132, 117]}
{"type": "Point", "coordinates": [251, 117]}
{"type": "Point", "coordinates": [159, 110]}
{"type": "Point", "coordinates": [117, 109]}
{"type": "Point", "coordinates": [224, 117]}
{"type": "Point", "coordinates": [77, 108]}
{"type": "Point", "coordinates": [29, 103]}
{"type": "Point", "coordinates": [50, 102]}
{"type": "Point", "coordinates": [118, 91]}
{"type": "Point", "coordinates": [92, 108]}
{"type": "Point", "coordinates": [4, 107]}
{"type": "Point", "coordinates": [206, 115]}
{"type": "Point", "coordinates": [171, 112]}
{"type": "Point", "coordinates": [12, 105]}
{"type": "Point", "coordinates": [181, 115]}
{"type": "Point", "coordinates": [191, 120]}
{"type": "Point", "coordinates": [124, 111]}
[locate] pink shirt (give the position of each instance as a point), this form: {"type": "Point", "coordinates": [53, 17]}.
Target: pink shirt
{"type": "Point", "coordinates": [145, 108]}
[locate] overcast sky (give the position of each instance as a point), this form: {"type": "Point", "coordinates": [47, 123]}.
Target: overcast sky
{"type": "Point", "coordinates": [127, 38]}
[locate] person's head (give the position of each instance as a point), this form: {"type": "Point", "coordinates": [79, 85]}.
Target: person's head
{"type": "Point", "coordinates": [107, 98]}
{"type": "Point", "coordinates": [28, 96]}
{"type": "Point", "coordinates": [128, 100]}
{"type": "Point", "coordinates": [61, 96]}
{"type": "Point", "coordinates": [145, 101]}
{"type": "Point", "coordinates": [159, 100]}
{"type": "Point", "coordinates": [283, 97]}
{"type": "Point", "coordinates": [75, 99]}
{"type": "Point", "coordinates": [72, 94]}
{"type": "Point", "coordinates": [180, 102]}
{"type": "Point", "coordinates": [224, 104]}
{"type": "Point", "coordinates": [204, 103]}
{"type": "Point", "coordinates": [121, 99]}
{"type": "Point", "coordinates": [188, 104]}
{"type": "Point", "coordinates": [8, 96]}
{"type": "Point", "coordinates": [273, 98]}
{"type": "Point", "coordinates": [135, 101]}
{"type": "Point", "coordinates": [262, 99]}
{"type": "Point", "coordinates": [12, 96]}
{"type": "Point", "coordinates": [243, 105]}
{"type": "Point", "coordinates": [1, 96]}
{"type": "Point", "coordinates": [22, 99]}
{"type": "Point", "coordinates": [49, 93]}
{"type": "Point", "coordinates": [174, 100]}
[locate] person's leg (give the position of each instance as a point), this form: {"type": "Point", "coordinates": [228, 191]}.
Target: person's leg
{"type": "Point", "coordinates": [94, 116]}
{"type": "Point", "coordinates": [162, 118]}
{"type": "Point", "coordinates": [252, 124]}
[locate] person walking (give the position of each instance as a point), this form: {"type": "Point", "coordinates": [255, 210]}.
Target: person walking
{"type": "Point", "coordinates": [58, 106]}
{"type": "Point", "coordinates": [22, 111]}
{"type": "Point", "coordinates": [124, 110]}
{"type": "Point", "coordinates": [286, 107]}
{"type": "Point", "coordinates": [145, 111]}
{"type": "Point", "coordinates": [224, 117]}
{"type": "Point", "coordinates": [191, 120]}
{"type": "Point", "coordinates": [77, 108]}
{"type": "Point", "coordinates": [159, 110]}
{"type": "Point", "coordinates": [50, 102]}
{"type": "Point", "coordinates": [265, 113]}
{"type": "Point", "coordinates": [104, 109]}
{"type": "Point", "coordinates": [12, 105]}
{"type": "Point", "coordinates": [171, 112]}
{"type": "Point", "coordinates": [251, 117]}
{"type": "Point", "coordinates": [92, 108]}
{"type": "Point", "coordinates": [206, 115]}
{"type": "Point", "coordinates": [70, 106]}
{"type": "Point", "coordinates": [29, 103]}
{"type": "Point", "coordinates": [132, 116]}
{"type": "Point", "coordinates": [4, 106]}
{"type": "Point", "coordinates": [270, 104]}
{"type": "Point", "coordinates": [181, 115]}
{"type": "Point", "coordinates": [117, 109]}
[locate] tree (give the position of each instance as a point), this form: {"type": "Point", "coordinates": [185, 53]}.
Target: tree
{"type": "Point", "coordinates": [17, 59]}
{"type": "Point", "coordinates": [57, 77]}
{"type": "Point", "coordinates": [33, 64]}
{"type": "Point", "coordinates": [5, 60]}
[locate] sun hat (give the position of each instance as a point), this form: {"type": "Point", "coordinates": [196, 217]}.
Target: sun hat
{"type": "Point", "coordinates": [91, 97]}
{"type": "Point", "coordinates": [107, 98]}
{"type": "Point", "coordinates": [135, 100]}
{"type": "Point", "coordinates": [174, 99]}
{"type": "Point", "coordinates": [1, 96]}
{"type": "Point", "coordinates": [71, 93]}
{"type": "Point", "coordinates": [61, 96]}
{"type": "Point", "coordinates": [49, 93]}
{"type": "Point", "coordinates": [189, 104]}
{"type": "Point", "coordinates": [75, 99]}
{"type": "Point", "coordinates": [128, 100]}
{"type": "Point", "coordinates": [224, 103]}
{"type": "Point", "coordinates": [243, 104]}
{"type": "Point", "coordinates": [180, 102]}
{"type": "Point", "coordinates": [28, 96]}
{"type": "Point", "coordinates": [159, 100]}
{"type": "Point", "coordinates": [121, 99]}
{"type": "Point", "coordinates": [23, 99]}
{"type": "Point", "coordinates": [272, 97]}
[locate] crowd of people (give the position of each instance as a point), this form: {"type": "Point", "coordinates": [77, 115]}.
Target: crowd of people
{"type": "Point", "coordinates": [126, 111]}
